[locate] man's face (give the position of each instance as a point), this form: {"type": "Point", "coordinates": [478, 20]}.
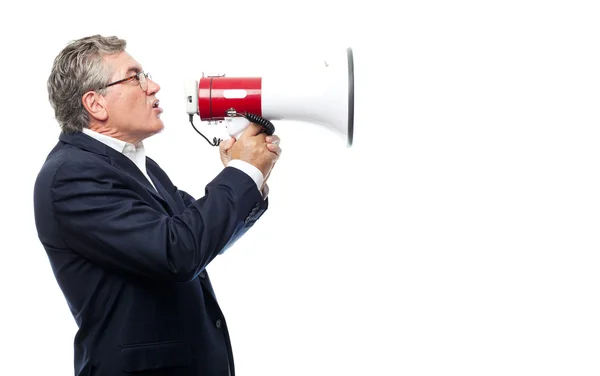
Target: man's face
{"type": "Point", "coordinates": [131, 111]}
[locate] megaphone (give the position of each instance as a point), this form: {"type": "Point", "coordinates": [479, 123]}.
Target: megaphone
{"type": "Point", "coordinates": [323, 96]}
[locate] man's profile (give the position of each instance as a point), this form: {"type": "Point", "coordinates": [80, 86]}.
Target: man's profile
{"type": "Point", "coordinates": [128, 248]}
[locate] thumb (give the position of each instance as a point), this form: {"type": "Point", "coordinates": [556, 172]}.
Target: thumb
{"type": "Point", "coordinates": [252, 130]}
{"type": "Point", "coordinates": [227, 144]}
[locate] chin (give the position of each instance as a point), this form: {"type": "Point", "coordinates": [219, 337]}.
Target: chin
{"type": "Point", "coordinates": [153, 130]}
{"type": "Point", "coordinates": [158, 127]}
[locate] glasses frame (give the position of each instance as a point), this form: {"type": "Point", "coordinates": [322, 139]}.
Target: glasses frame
{"type": "Point", "coordinates": [135, 76]}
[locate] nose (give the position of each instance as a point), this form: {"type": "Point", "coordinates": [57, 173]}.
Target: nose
{"type": "Point", "coordinates": [153, 87]}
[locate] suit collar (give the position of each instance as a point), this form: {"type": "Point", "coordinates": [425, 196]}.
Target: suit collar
{"type": "Point", "coordinates": [111, 142]}
{"type": "Point", "coordinates": [120, 161]}
{"type": "Point", "coordinates": [85, 142]}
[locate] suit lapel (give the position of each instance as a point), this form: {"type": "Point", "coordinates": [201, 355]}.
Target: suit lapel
{"type": "Point", "coordinates": [123, 163]}
{"type": "Point", "coordinates": [117, 159]}
{"type": "Point", "coordinates": [171, 205]}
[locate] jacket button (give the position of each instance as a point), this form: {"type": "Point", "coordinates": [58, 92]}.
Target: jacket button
{"type": "Point", "coordinates": [202, 275]}
{"type": "Point", "coordinates": [218, 324]}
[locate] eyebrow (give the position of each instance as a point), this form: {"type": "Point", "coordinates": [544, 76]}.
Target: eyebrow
{"type": "Point", "coordinates": [135, 70]}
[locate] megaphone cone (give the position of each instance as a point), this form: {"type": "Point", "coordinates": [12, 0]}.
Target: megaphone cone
{"type": "Point", "coordinates": [323, 96]}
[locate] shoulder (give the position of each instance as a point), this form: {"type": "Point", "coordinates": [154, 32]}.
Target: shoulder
{"type": "Point", "coordinates": [69, 161]}
{"type": "Point", "coordinates": [70, 156]}
{"type": "Point", "coordinates": [64, 169]}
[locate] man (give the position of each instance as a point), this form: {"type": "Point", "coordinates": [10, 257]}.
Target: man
{"type": "Point", "coordinates": [128, 248]}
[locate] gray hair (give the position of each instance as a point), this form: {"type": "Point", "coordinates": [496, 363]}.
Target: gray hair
{"type": "Point", "coordinates": [79, 68]}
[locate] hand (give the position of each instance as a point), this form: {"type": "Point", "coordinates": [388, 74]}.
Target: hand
{"type": "Point", "coordinates": [273, 146]}
{"type": "Point", "coordinates": [224, 147]}
{"type": "Point", "coordinates": [253, 147]}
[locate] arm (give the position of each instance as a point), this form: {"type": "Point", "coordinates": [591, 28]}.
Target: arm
{"type": "Point", "coordinates": [189, 200]}
{"type": "Point", "coordinates": [112, 225]}
{"type": "Point", "coordinates": [186, 197]}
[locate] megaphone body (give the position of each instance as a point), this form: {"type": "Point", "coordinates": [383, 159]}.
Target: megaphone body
{"type": "Point", "coordinates": [323, 96]}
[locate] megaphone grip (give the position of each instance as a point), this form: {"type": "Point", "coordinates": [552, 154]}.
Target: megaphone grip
{"type": "Point", "coordinates": [266, 124]}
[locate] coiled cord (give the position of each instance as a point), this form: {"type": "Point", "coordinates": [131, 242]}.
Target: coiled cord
{"type": "Point", "coordinates": [267, 126]}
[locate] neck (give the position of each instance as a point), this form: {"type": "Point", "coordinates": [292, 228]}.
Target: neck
{"type": "Point", "coordinates": [115, 133]}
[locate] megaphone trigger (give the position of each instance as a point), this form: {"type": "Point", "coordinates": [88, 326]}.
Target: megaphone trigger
{"type": "Point", "coordinates": [236, 126]}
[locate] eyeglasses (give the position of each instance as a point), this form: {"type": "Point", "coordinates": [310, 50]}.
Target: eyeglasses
{"type": "Point", "coordinates": [141, 77]}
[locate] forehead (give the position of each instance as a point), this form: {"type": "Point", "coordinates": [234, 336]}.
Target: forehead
{"type": "Point", "coordinates": [122, 64]}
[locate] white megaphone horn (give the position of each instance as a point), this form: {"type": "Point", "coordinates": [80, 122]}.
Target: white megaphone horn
{"type": "Point", "coordinates": [323, 96]}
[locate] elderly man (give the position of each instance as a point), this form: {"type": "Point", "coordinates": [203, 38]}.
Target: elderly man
{"type": "Point", "coordinates": [128, 248]}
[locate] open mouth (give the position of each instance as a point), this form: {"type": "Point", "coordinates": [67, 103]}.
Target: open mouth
{"type": "Point", "coordinates": [156, 106]}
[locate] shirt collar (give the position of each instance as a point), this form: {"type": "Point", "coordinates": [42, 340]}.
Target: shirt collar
{"type": "Point", "coordinates": [116, 144]}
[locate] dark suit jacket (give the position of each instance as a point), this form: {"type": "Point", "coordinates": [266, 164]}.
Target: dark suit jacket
{"type": "Point", "coordinates": [131, 261]}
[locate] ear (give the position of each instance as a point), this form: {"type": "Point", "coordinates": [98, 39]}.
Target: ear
{"type": "Point", "coordinates": [95, 104]}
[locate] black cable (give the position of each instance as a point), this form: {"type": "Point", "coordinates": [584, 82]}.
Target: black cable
{"type": "Point", "coordinates": [216, 141]}
{"type": "Point", "coordinates": [268, 127]}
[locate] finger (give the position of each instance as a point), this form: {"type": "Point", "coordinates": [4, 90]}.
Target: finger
{"type": "Point", "coordinates": [274, 148]}
{"type": "Point", "coordinates": [252, 130]}
{"type": "Point", "coordinates": [273, 139]}
{"type": "Point", "coordinates": [227, 144]}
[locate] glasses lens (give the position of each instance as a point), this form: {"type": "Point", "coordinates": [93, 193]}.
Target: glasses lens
{"type": "Point", "coordinates": [143, 81]}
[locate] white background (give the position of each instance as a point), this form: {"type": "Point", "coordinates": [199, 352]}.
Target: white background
{"type": "Point", "coordinates": [458, 236]}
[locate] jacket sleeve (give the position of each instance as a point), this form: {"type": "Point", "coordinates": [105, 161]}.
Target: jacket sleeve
{"type": "Point", "coordinates": [186, 197]}
{"type": "Point", "coordinates": [100, 217]}
{"type": "Point", "coordinates": [189, 200]}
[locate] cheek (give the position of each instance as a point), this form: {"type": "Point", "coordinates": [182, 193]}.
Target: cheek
{"type": "Point", "coordinates": [121, 106]}
{"type": "Point", "coordinates": [131, 107]}
{"type": "Point", "coordinates": [130, 110]}
{"type": "Point", "coordinates": [141, 107]}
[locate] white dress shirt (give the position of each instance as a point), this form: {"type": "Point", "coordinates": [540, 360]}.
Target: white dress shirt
{"type": "Point", "coordinates": [137, 154]}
